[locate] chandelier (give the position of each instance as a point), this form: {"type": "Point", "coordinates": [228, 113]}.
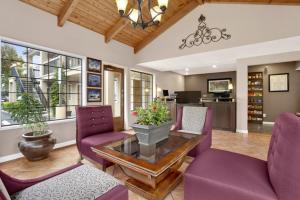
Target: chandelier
{"type": "Point", "coordinates": [136, 15]}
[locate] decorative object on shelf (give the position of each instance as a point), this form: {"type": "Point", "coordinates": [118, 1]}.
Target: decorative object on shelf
{"type": "Point", "coordinates": [29, 112]}
{"type": "Point", "coordinates": [219, 85]}
{"type": "Point", "coordinates": [93, 80]}
{"type": "Point", "coordinates": [255, 97]}
{"type": "Point", "coordinates": [204, 35]}
{"type": "Point", "coordinates": [153, 123]}
{"type": "Point", "coordinates": [279, 82]}
{"type": "Point", "coordinates": [94, 95]}
{"type": "Point", "coordinates": [94, 65]}
{"type": "Point", "coordinates": [136, 15]}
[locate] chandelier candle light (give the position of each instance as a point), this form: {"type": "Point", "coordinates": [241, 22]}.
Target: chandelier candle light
{"type": "Point", "coordinates": [136, 15]}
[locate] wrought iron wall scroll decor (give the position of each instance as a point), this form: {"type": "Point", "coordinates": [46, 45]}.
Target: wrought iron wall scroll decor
{"type": "Point", "coordinates": [204, 35]}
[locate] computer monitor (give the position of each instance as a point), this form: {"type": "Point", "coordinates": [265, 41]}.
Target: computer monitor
{"type": "Point", "coordinates": [165, 93]}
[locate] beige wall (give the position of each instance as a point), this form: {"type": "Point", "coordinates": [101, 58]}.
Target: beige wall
{"type": "Point", "coordinates": [278, 102]}
{"type": "Point", "coordinates": [9, 137]}
{"type": "Point", "coordinates": [254, 24]}
{"type": "Point", "coordinates": [199, 81]}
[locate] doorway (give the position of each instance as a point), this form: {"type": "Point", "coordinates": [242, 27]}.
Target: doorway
{"type": "Point", "coordinates": [114, 94]}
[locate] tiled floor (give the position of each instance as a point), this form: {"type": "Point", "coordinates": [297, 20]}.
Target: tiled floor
{"type": "Point", "coordinates": [260, 128]}
{"type": "Point", "coordinates": [253, 144]}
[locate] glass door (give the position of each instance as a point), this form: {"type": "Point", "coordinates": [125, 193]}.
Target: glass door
{"type": "Point", "coordinates": [114, 93]}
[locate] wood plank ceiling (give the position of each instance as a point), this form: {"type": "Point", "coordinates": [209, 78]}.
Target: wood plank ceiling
{"type": "Point", "coordinates": [102, 17]}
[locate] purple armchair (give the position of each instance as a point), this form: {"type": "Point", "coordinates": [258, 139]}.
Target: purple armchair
{"type": "Point", "coordinates": [207, 131]}
{"type": "Point", "coordinates": [13, 186]}
{"type": "Point", "coordinates": [94, 126]}
{"type": "Point", "coordinates": [219, 175]}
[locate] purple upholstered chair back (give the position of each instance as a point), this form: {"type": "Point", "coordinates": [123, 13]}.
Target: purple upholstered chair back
{"type": "Point", "coordinates": [92, 120]}
{"type": "Point", "coordinates": [207, 130]}
{"type": "Point", "coordinates": [284, 157]}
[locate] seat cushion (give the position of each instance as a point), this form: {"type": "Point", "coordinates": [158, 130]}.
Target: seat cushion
{"type": "Point", "coordinates": [91, 141]}
{"type": "Point", "coordinates": [193, 119]}
{"type": "Point", "coordinates": [219, 175]}
{"type": "Point", "coordinates": [84, 182]}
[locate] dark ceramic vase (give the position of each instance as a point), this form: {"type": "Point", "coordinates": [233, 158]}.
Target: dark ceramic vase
{"type": "Point", "coordinates": [36, 148]}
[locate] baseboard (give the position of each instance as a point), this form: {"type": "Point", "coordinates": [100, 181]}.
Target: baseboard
{"type": "Point", "coordinates": [20, 155]}
{"type": "Point", "coordinates": [10, 157]}
{"type": "Point", "coordinates": [64, 144]}
{"type": "Point", "coordinates": [242, 131]}
{"type": "Point", "coordinates": [269, 123]}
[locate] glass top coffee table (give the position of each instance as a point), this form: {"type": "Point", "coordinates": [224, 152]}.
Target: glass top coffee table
{"type": "Point", "coordinates": [153, 169]}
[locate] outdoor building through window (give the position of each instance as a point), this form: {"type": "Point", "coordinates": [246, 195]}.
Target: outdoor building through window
{"type": "Point", "coordinates": [141, 91]}
{"type": "Point", "coordinates": [54, 80]}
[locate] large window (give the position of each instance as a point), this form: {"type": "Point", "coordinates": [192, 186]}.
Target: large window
{"type": "Point", "coordinates": [141, 91]}
{"type": "Point", "coordinates": [53, 79]}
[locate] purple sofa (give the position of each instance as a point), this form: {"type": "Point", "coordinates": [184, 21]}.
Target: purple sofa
{"type": "Point", "coordinates": [15, 185]}
{"type": "Point", "coordinates": [222, 175]}
{"type": "Point", "coordinates": [94, 126]}
{"type": "Point", "coordinates": [207, 131]}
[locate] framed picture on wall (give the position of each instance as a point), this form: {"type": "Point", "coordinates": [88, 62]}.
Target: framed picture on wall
{"type": "Point", "coordinates": [93, 80]}
{"type": "Point", "coordinates": [94, 65]}
{"type": "Point", "coordinates": [218, 85]}
{"type": "Point", "coordinates": [94, 95]}
{"type": "Point", "coordinates": [279, 82]}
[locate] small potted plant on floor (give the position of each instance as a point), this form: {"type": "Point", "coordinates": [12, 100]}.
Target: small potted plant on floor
{"type": "Point", "coordinates": [36, 142]}
{"type": "Point", "coordinates": [153, 123]}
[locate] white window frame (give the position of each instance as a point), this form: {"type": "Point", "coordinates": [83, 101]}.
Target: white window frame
{"type": "Point", "coordinates": [30, 45]}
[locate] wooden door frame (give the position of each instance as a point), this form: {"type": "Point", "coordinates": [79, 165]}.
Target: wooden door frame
{"type": "Point", "coordinates": [111, 68]}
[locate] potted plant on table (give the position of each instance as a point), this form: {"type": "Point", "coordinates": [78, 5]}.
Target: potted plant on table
{"type": "Point", "coordinates": [36, 142]}
{"type": "Point", "coordinates": [153, 123]}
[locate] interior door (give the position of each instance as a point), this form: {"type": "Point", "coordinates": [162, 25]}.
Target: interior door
{"type": "Point", "coordinates": [114, 93]}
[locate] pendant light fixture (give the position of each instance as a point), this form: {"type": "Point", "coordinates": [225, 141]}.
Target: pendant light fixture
{"type": "Point", "coordinates": [136, 15]}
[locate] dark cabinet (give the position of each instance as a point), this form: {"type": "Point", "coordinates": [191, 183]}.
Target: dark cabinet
{"type": "Point", "coordinates": [224, 115]}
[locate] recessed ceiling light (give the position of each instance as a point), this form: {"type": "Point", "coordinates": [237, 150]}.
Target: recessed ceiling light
{"type": "Point", "coordinates": [214, 66]}
{"type": "Point", "coordinates": [187, 69]}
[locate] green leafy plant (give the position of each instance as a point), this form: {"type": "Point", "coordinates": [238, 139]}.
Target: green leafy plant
{"type": "Point", "coordinates": [155, 114]}
{"type": "Point", "coordinates": [28, 112]}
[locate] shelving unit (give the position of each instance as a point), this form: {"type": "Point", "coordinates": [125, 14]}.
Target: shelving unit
{"type": "Point", "coordinates": [255, 97]}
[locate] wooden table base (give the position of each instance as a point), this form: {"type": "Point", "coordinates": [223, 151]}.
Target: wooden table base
{"type": "Point", "coordinates": [162, 189]}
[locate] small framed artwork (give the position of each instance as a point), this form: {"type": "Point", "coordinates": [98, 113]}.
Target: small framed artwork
{"type": "Point", "coordinates": [279, 82]}
{"type": "Point", "coordinates": [218, 85]}
{"type": "Point", "coordinates": [93, 95]}
{"type": "Point", "coordinates": [93, 80]}
{"type": "Point", "coordinates": [94, 65]}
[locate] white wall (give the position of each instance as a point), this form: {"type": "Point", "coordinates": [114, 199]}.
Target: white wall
{"type": "Point", "coordinates": [248, 24]}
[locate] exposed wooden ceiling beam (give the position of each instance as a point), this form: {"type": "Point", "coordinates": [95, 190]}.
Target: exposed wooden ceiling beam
{"type": "Point", "coordinates": [113, 31]}
{"type": "Point", "coordinates": [66, 12]}
{"type": "Point", "coordinates": [162, 28]}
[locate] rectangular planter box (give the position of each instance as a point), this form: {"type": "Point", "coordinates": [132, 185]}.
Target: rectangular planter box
{"type": "Point", "coordinates": [148, 135]}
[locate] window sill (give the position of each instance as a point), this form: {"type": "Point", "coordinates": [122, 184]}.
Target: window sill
{"type": "Point", "coordinates": [49, 123]}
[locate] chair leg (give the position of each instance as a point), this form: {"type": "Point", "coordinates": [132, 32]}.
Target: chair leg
{"type": "Point", "coordinates": [80, 158]}
{"type": "Point", "coordinates": [115, 169]}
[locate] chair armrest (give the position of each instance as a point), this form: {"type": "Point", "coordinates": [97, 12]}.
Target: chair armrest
{"type": "Point", "coordinates": [14, 185]}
